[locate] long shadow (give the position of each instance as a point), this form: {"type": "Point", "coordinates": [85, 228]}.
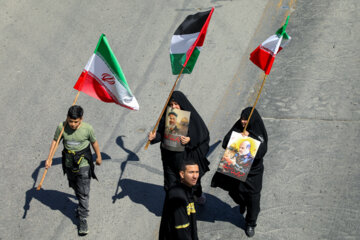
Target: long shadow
{"type": "Point", "coordinates": [31, 193]}
{"type": "Point", "coordinates": [217, 210]}
{"type": "Point", "coordinates": [152, 197]}
{"type": "Point", "coordinates": [54, 199]}
{"type": "Point", "coordinates": [212, 148]}
{"type": "Point", "coordinates": [130, 157]}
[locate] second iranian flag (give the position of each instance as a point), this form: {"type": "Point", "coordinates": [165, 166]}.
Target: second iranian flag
{"type": "Point", "coordinates": [188, 40]}
{"type": "Point", "coordinates": [264, 55]}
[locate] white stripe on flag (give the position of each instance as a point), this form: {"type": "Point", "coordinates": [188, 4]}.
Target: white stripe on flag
{"type": "Point", "coordinates": [182, 43]}
{"type": "Point", "coordinates": [270, 43]}
{"type": "Point", "coordinates": [98, 67]}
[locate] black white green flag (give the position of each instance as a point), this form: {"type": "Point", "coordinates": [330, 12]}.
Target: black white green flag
{"type": "Point", "coordinates": [188, 40]}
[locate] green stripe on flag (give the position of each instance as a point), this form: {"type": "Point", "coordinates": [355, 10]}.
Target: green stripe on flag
{"type": "Point", "coordinates": [177, 61]}
{"type": "Point", "coordinates": [282, 31]}
{"type": "Point", "coordinates": [103, 50]}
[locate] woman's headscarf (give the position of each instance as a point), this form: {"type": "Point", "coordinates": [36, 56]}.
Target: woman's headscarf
{"type": "Point", "coordinates": [198, 146]}
{"type": "Point", "coordinates": [253, 184]}
{"type": "Point", "coordinates": [256, 129]}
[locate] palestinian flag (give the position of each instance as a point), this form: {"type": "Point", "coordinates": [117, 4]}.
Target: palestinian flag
{"type": "Point", "coordinates": [264, 55]}
{"type": "Point", "coordinates": [188, 40]}
{"type": "Point", "coordinates": [103, 79]}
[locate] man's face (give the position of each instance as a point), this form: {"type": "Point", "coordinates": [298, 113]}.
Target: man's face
{"type": "Point", "coordinates": [74, 123]}
{"type": "Point", "coordinates": [190, 176]}
{"type": "Point", "coordinates": [172, 119]}
{"type": "Point", "coordinates": [244, 148]}
{"type": "Point", "coordinates": [174, 104]}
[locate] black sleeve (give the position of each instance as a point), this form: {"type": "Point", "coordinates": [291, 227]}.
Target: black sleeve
{"type": "Point", "coordinates": [159, 131]}
{"type": "Point", "coordinates": [181, 221]}
{"type": "Point", "coordinates": [157, 138]}
{"type": "Point", "coordinates": [263, 145]}
{"type": "Point", "coordinates": [261, 151]}
{"type": "Point", "coordinates": [226, 139]}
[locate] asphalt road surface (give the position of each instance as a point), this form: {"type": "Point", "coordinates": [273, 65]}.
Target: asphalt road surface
{"type": "Point", "coordinates": [310, 105]}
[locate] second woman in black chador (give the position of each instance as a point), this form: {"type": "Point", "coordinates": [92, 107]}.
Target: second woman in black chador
{"type": "Point", "coordinates": [247, 194]}
{"type": "Point", "coordinates": [196, 144]}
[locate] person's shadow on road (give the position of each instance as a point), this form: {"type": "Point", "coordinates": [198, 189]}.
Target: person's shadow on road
{"type": "Point", "coordinates": [152, 197]}
{"type": "Point", "coordinates": [216, 210]}
{"type": "Point", "coordinates": [55, 200]}
{"type": "Point", "coordinates": [131, 157]}
{"type": "Point", "coordinates": [147, 194]}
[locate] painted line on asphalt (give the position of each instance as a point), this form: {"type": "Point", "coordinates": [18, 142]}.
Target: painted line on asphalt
{"type": "Point", "coordinates": [312, 119]}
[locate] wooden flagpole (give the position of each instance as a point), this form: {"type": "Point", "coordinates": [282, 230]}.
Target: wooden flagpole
{"type": "Point", "coordinates": [262, 85]}
{"type": "Point", "coordinates": [52, 153]}
{"type": "Point", "coordinates": [163, 110]}
{"type": "Point", "coordinates": [257, 98]}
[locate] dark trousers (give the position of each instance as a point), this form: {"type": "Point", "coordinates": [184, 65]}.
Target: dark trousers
{"type": "Point", "coordinates": [171, 176]}
{"type": "Point", "coordinates": [251, 202]}
{"type": "Point", "coordinates": [80, 182]}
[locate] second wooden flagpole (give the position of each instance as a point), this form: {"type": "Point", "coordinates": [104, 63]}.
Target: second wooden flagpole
{"type": "Point", "coordinates": [257, 98]}
{"type": "Point", "coordinates": [163, 110]}
{"type": "Point", "coordinates": [52, 153]}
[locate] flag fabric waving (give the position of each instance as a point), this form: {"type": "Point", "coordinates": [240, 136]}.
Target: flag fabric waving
{"type": "Point", "coordinates": [264, 55]}
{"type": "Point", "coordinates": [188, 40]}
{"type": "Point", "coordinates": [103, 79]}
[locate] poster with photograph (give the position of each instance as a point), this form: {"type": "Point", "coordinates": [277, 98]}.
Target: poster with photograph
{"type": "Point", "coordinates": [176, 125]}
{"type": "Point", "coordinates": [239, 156]}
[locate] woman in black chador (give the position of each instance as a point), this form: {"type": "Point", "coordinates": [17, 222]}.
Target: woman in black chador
{"type": "Point", "coordinates": [196, 145]}
{"type": "Point", "coordinates": [246, 194]}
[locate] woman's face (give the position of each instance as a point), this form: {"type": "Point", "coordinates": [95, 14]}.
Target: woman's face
{"type": "Point", "coordinates": [174, 104]}
{"type": "Point", "coordinates": [244, 122]}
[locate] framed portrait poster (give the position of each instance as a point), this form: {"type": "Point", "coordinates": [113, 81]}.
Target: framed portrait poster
{"type": "Point", "coordinates": [238, 156]}
{"type": "Point", "coordinates": [176, 125]}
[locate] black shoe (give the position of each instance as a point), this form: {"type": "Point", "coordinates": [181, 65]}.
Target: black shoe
{"type": "Point", "coordinates": [250, 231]}
{"type": "Point", "coordinates": [83, 227]}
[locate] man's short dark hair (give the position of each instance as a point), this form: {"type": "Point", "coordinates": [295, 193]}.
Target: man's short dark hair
{"type": "Point", "coordinates": [186, 163]}
{"type": "Point", "coordinates": [75, 112]}
{"type": "Point", "coordinates": [172, 113]}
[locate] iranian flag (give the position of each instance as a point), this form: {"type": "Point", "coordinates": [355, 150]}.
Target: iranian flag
{"type": "Point", "coordinates": [103, 79]}
{"type": "Point", "coordinates": [264, 55]}
{"type": "Point", "coordinates": [188, 40]}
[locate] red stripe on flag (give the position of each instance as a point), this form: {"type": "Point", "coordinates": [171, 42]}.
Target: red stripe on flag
{"type": "Point", "coordinates": [200, 39]}
{"type": "Point", "coordinates": [263, 59]}
{"type": "Point", "coordinates": [89, 85]}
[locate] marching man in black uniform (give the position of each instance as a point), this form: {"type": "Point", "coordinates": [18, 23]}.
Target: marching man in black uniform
{"type": "Point", "coordinates": [178, 221]}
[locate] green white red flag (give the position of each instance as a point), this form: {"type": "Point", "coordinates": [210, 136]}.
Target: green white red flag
{"type": "Point", "coordinates": [103, 79]}
{"type": "Point", "coordinates": [187, 41]}
{"type": "Point", "coordinates": [264, 55]}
